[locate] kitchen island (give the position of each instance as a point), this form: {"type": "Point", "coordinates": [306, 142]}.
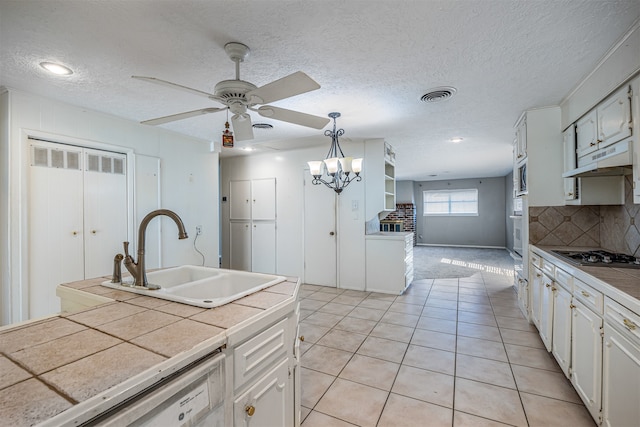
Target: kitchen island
{"type": "Point", "coordinates": [70, 368]}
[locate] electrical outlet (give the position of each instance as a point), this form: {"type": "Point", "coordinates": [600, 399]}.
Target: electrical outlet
{"type": "Point", "coordinates": [198, 230]}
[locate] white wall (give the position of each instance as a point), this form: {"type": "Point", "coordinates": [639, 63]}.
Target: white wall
{"type": "Point", "coordinates": [189, 182]}
{"type": "Point", "coordinates": [289, 167]}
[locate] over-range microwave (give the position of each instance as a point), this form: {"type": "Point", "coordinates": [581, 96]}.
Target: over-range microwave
{"type": "Point", "coordinates": [521, 178]}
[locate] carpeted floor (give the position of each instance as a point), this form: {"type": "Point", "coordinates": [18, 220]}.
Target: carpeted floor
{"type": "Point", "coordinates": [437, 262]}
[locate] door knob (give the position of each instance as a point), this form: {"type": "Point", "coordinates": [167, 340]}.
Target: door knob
{"type": "Point", "coordinates": [250, 410]}
{"type": "Point", "coordinates": [331, 233]}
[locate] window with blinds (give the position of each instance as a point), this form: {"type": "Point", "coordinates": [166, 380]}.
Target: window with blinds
{"type": "Point", "coordinates": [450, 202]}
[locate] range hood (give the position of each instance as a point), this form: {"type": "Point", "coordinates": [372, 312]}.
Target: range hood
{"type": "Point", "coordinates": [614, 160]}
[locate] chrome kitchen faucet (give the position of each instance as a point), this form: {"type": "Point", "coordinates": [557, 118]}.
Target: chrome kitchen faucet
{"type": "Point", "coordinates": [137, 269]}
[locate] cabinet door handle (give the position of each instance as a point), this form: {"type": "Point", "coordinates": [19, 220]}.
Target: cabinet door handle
{"type": "Point", "coordinates": [553, 289]}
{"type": "Point", "coordinates": [94, 231]}
{"type": "Point", "coordinates": [547, 285]}
{"type": "Point", "coordinates": [629, 324]}
{"type": "Point", "coordinates": [591, 144]}
{"type": "Point", "coordinates": [75, 233]}
{"type": "Point", "coordinates": [250, 410]}
{"type": "Point", "coordinates": [586, 294]}
{"type": "Point", "coordinates": [571, 306]}
{"type": "Point", "coordinates": [331, 233]}
{"type": "Point", "coordinates": [538, 275]}
{"type": "Point", "coordinates": [301, 337]}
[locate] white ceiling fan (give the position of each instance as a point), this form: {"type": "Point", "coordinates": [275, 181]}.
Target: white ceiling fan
{"type": "Point", "coordinates": [238, 96]}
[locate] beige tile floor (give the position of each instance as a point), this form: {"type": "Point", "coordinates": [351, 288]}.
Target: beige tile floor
{"type": "Point", "coordinates": [448, 352]}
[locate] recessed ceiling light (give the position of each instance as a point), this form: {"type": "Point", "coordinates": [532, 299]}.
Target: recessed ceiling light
{"type": "Point", "coordinates": [247, 148]}
{"type": "Point", "coordinates": [58, 69]}
{"type": "Point", "coordinates": [456, 139]}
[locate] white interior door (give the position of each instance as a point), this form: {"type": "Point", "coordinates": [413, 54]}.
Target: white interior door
{"type": "Point", "coordinates": [320, 264]}
{"type": "Point", "coordinates": [55, 224]}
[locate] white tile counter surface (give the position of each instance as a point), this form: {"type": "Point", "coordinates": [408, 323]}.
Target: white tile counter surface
{"type": "Point", "coordinates": [619, 284]}
{"type": "Point", "coordinates": [390, 235]}
{"type": "Point", "coordinates": [77, 365]}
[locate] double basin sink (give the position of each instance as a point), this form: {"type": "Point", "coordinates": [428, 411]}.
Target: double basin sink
{"type": "Point", "coordinates": [204, 287]}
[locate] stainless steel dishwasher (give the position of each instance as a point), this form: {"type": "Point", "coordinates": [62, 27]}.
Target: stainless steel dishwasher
{"type": "Point", "coordinates": [193, 396]}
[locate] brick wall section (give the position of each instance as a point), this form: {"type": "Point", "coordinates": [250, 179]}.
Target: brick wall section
{"type": "Point", "coordinates": [405, 212]}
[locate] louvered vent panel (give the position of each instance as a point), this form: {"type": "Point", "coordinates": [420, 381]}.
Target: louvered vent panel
{"type": "Point", "coordinates": [73, 160]}
{"type": "Point", "coordinates": [118, 166]}
{"type": "Point", "coordinates": [40, 156]}
{"type": "Point", "coordinates": [57, 159]}
{"type": "Point", "coordinates": [106, 164]}
{"type": "Point", "coordinates": [93, 163]}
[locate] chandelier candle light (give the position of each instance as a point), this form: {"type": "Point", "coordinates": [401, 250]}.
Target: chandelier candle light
{"type": "Point", "coordinates": [338, 167]}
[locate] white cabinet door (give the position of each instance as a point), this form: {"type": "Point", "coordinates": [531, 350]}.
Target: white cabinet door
{"type": "Point", "coordinates": [263, 199]}
{"type": "Point", "coordinates": [586, 359]}
{"type": "Point", "coordinates": [569, 146]}
{"type": "Point", "coordinates": [621, 380]}
{"type": "Point", "coordinates": [240, 245]}
{"type": "Point", "coordinates": [536, 295]}
{"type": "Point", "coordinates": [561, 346]}
{"type": "Point", "coordinates": [546, 312]}
{"type": "Point", "coordinates": [614, 118]}
{"type": "Point", "coordinates": [240, 200]}
{"type": "Point", "coordinates": [263, 247]}
{"type": "Point", "coordinates": [587, 134]}
{"type": "Point", "coordinates": [521, 140]}
{"type": "Point", "coordinates": [105, 208]}
{"type": "Point", "coordinates": [267, 403]}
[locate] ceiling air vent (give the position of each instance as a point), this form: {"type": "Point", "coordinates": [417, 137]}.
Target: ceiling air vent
{"type": "Point", "coordinates": [438, 94]}
{"type": "Point", "coordinates": [262, 126]}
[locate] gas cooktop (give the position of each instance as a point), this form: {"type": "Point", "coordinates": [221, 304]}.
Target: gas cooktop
{"type": "Point", "coordinates": [600, 258]}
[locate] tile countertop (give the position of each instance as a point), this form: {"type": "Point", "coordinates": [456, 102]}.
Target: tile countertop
{"type": "Point", "coordinates": [619, 284]}
{"type": "Point", "coordinates": [78, 365]}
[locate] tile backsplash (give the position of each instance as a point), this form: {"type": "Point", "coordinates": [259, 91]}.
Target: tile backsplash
{"type": "Point", "coordinates": [614, 228]}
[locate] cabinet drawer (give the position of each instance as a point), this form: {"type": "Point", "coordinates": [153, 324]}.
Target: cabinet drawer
{"type": "Point", "coordinates": [535, 260]}
{"type": "Point", "coordinates": [589, 296]}
{"type": "Point", "coordinates": [624, 320]}
{"type": "Point", "coordinates": [564, 279]}
{"type": "Point", "coordinates": [259, 352]}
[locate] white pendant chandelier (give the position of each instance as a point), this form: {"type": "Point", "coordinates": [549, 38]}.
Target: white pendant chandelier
{"type": "Point", "coordinates": [338, 168]}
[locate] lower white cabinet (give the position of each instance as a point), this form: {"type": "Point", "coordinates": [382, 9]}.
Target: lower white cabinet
{"type": "Point", "coordinates": [523, 294]}
{"type": "Point", "coordinates": [253, 246]}
{"type": "Point", "coordinates": [268, 402]}
{"type": "Point", "coordinates": [536, 294]}
{"type": "Point", "coordinates": [561, 342]}
{"type": "Point", "coordinates": [621, 367]}
{"type": "Point", "coordinates": [586, 359]}
{"type": "Point", "coordinates": [546, 312]}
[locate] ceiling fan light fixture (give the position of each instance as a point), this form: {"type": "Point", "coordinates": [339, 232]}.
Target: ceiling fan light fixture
{"type": "Point", "coordinates": [56, 68]}
{"type": "Point", "coordinates": [437, 94]}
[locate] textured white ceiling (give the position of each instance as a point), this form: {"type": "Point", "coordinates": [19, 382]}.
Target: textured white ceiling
{"type": "Point", "coordinates": [374, 60]}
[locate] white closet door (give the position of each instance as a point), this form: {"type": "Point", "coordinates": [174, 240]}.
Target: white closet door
{"type": "Point", "coordinates": [240, 242]}
{"type": "Point", "coordinates": [105, 210]}
{"type": "Point", "coordinates": [263, 247]}
{"type": "Point", "coordinates": [55, 224]}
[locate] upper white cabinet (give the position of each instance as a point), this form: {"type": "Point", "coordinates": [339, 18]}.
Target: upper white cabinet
{"type": "Point", "coordinates": [380, 181]}
{"type": "Point", "coordinates": [608, 123]}
{"type": "Point", "coordinates": [253, 199]}
{"type": "Point", "coordinates": [520, 152]}
{"type": "Point", "coordinates": [538, 173]}
{"type": "Point", "coordinates": [569, 149]}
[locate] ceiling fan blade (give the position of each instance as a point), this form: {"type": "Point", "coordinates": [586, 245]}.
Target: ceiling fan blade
{"type": "Point", "coordinates": [288, 86]}
{"type": "Point", "coordinates": [242, 127]}
{"type": "Point", "coordinates": [174, 86]}
{"type": "Point", "coordinates": [294, 117]}
{"type": "Point", "coordinates": [180, 116]}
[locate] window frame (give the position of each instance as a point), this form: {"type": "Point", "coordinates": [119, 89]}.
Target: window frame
{"type": "Point", "coordinates": [449, 213]}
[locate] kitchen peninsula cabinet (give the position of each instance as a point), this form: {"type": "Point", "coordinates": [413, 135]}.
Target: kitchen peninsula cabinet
{"type": "Point", "coordinates": [389, 262]}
